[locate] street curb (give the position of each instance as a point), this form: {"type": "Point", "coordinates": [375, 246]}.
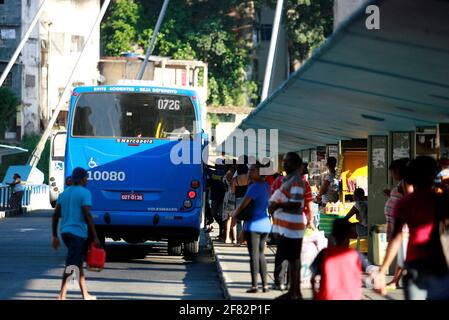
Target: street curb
{"type": "Point", "coordinates": [224, 288]}
{"type": "Point", "coordinates": [12, 213]}
{"type": "Point", "coordinates": [226, 293]}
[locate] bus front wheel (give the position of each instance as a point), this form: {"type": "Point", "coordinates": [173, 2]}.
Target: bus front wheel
{"type": "Point", "coordinates": [174, 248]}
{"type": "Point", "coordinates": [192, 247]}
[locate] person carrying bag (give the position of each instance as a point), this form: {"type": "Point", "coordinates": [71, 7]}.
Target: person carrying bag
{"type": "Point", "coordinates": [257, 225]}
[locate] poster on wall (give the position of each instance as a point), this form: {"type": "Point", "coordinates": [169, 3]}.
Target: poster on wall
{"type": "Point", "coordinates": [427, 142]}
{"type": "Point", "coordinates": [313, 155]}
{"type": "Point", "coordinates": [401, 152]}
{"type": "Point", "coordinates": [401, 145]}
{"type": "Point", "coordinates": [378, 158]}
{"type": "Point", "coordinates": [8, 34]}
{"type": "Point", "coordinates": [320, 153]}
{"type": "Point", "coordinates": [332, 151]}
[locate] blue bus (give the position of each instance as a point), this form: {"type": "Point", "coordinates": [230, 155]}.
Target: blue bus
{"type": "Point", "coordinates": [142, 147]}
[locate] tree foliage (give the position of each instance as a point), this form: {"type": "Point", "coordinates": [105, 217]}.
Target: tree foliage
{"type": "Point", "coordinates": [121, 27]}
{"type": "Point", "coordinates": [204, 30]}
{"type": "Point", "coordinates": [308, 24]}
{"type": "Point", "coordinates": [8, 106]}
{"type": "Point", "coordinates": [192, 29]}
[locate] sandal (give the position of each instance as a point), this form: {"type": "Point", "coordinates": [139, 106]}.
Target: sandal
{"type": "Point", "coordinates": [266, 289]}
{"type": "Point", "coordinates": [252, 290]}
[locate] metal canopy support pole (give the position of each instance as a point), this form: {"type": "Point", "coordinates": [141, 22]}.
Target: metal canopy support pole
{"type": "Point", "coordinates": [22, 43]}
{"type": "Point", "coordinates": [35, 157]}
{"type": "Point", "coordinates": [153, 39]}
{"type": "Point", "coordinates": [272, 51]}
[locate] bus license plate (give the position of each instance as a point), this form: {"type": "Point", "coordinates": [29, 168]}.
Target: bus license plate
{"type": "Point", "coordinates": [132, 197]}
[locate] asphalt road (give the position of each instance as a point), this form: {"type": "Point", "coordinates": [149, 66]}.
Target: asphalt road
{"type": "Point", "coordinates": [31, 269]}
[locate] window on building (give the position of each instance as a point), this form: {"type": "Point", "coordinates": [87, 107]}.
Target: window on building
{"type": "Point", "coordinates": [265, 32]}
{"type": "Point", "coordinates": [57, 42]}
{"type": "Point", "coordinates": [77, 43]}
{"type": "Point", "coordinates": [60, 92]}
{"type": "Point", "coordinates": [256, 70]}
{"type": "Point", "coordinates": [8, 80]}
{"type": "Point", "coordinates": [255, 37]}
{"type": "Point", "coordinates": [62, 118]}
{"type": "Point", "coordinates": [30, 81]}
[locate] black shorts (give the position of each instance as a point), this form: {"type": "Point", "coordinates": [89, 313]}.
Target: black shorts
{"type": "Point", "coordinates": [77, 249]}
{"type": "Point", "coordinates": [288, 249]}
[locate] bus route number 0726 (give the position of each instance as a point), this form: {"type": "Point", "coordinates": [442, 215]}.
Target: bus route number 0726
{"type": "Point", "coordinates": [168, 104]}
{"type": "Point", "coordinates": [106, 175]}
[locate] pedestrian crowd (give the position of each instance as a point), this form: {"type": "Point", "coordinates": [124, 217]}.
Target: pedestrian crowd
{"type": "Point", "coordinates": [252, 209]}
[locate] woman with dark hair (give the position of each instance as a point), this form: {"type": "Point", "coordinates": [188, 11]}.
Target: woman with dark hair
{"type": "Point", "coordinates": [239, 186]}
{"type": "Point", "coordinates": [426, 275]}
{"type": "Point", "coordinates": [397, 171]}
{"type": "Point", "coordinates": [229, 201]}
{"type": "Point", "coordinates": [258, 226]}
{"type": "Point", "coordinates": [329, 188]}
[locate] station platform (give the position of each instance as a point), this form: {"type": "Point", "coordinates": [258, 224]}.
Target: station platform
{"type": "Point", "coordinates": [233, 267]}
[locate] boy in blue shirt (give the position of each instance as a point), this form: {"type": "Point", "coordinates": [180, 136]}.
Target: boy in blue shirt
{"type": "Point", "coordinates": [73, 207]}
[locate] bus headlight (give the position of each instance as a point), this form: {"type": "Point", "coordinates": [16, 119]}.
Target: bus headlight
{"type": "Point", "coordinates": [187, 204]}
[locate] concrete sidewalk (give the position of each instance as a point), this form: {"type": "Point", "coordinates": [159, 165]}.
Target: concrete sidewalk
{"type": "Point", "coordinates": [233, 267]}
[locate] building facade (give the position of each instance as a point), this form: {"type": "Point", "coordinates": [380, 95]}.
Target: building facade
{"type": "Point", "coordinates": [343, 9]}
{"type": "Point", "coordinates": [44, 65]}
{"type": "Point", "coordinates": [254, 25]}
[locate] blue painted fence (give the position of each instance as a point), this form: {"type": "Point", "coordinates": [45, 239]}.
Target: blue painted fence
{"type": "Point", "coordinates": [29, 191]}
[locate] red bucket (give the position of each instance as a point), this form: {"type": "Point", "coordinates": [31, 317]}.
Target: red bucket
{"type": "Point", "coordinates": [96, 258]}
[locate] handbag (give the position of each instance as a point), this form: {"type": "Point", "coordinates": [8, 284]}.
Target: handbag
{"type": "Point", "coordinates": [247, 213]}
{"type": "Point", "coordinates": [229, 201]}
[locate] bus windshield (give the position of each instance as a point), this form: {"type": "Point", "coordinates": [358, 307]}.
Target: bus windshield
{"type": "Point", "coordinates": [138, 115]}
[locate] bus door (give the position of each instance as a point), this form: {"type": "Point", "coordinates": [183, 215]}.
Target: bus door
{"type": "Point", "coordinates": [56, 165]}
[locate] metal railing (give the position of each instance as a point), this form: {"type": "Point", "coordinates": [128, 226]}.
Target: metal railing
{"type": "Point", "coordinates": [29, 191]}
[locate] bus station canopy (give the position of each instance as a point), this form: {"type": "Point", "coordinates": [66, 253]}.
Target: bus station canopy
{"type": "Point", "coordinates": [366, 82]}
{"type": "Point", "coordinates": [6, 150]}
